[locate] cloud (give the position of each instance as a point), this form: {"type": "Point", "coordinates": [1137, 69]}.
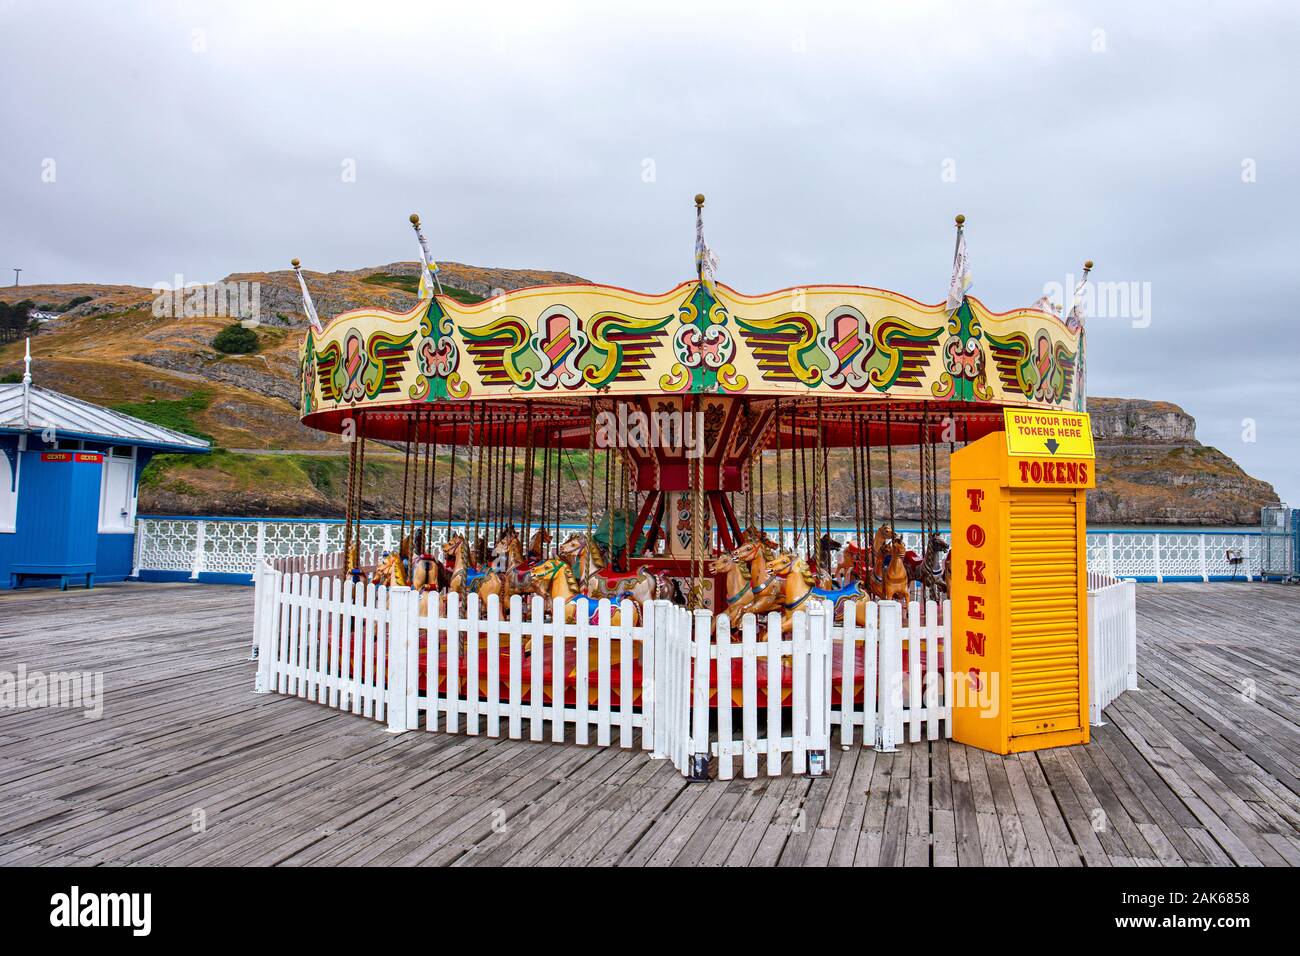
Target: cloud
{"type": "Point", "coordinates": [205, 139]}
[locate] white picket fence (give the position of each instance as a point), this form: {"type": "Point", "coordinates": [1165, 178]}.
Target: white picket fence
{"type": "Point", "coordinates": [655, 676]}
{"type": "Point", "coordinates": [1112, 642]}
{"type": "Point", "coordinates": [620, 675]}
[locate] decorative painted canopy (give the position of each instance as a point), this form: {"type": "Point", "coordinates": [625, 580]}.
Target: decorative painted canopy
{"type": "Point", "coordinates": [549, 344]}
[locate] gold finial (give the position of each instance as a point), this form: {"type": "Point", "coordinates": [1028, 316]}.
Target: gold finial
{"type": "Point", "coordinates": [1088, 265]}
{"type": "Point", "coordinates": [295, 263]}
{"type": "Point", "coordinates": [415, 219]}
{"type": "Point", "coordinates": [699, 199]}
{"type": "Point", "coordinates": [961, 220]}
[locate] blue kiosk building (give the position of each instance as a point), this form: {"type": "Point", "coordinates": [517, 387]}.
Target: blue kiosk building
{"type": "Point", "coordinates": [69, 473]}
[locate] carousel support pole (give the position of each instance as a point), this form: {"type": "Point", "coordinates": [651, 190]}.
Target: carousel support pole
{"type": "Point", "coordinates": [451, 481]}
{"type": "Point", "coordinates": [591, 476]}
{"type": "Point", "coordinates": [361, 490]}
{"type": "Point", "coordinates": [729, 521]}
{"type": "Point", "coordinates": [514, 512]}
{"type": "Point", "coordinates": [889, 460]}
{"type": "Point", "coordinates": [717, 505]}
{"type": "Point", "coordinates": [825, 478]}
{"type": "Point", "coordinates": [660, 502]}
{"type": "Point", "coordinates": [642, 515]}
{"type": "Point", "coordinates": [758, 456]}
{"type": "Point", "coordinates": [530, 461]}
{"type": "Point", "coordinates": [780, 494]}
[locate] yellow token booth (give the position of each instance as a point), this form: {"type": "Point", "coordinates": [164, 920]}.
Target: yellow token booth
{"type": "Point", "coordinates": [1019, 583]}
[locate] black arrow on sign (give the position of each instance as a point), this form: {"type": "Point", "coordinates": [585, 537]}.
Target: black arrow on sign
{"type": "Point", "coordinates": [1052, 444]}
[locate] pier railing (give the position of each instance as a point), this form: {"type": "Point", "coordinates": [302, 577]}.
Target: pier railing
{"type": "Point", "coordinates": [230, 549]}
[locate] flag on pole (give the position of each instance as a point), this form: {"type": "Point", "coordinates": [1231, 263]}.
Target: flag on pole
{"type": "Point", "coordinates": [429, 268]}
{"type": "Point", "coordinates": [706, 263]}
{"type": "Point", "coordinates": [960, 271]}
{"type": "Point", "coordinates": [307, 305]}
{"type": "Point", "coordinates": [1044, 303]}
{"type": "Point", "coordinates": [1074, 321]}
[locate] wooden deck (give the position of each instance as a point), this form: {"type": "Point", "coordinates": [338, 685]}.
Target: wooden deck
{"type": "Point", "coordinates": [1199, 767]}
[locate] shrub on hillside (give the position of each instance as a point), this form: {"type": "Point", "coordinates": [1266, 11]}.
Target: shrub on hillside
{"type": "Point", "coordinates": [235, 340]}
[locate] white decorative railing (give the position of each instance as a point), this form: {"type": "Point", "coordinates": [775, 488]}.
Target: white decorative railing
{"type": "Point", "coordinates": [195, 547]}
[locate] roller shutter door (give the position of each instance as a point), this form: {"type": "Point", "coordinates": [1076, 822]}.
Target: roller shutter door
{"type": "Point", "coordinates": [1044, 613]}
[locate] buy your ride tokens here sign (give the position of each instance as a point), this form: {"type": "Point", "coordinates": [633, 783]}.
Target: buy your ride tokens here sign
{"type": "Point", "coordinates": [1048, 434]}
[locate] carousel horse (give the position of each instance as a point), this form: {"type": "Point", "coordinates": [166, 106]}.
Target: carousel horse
{"type": "Point", "coordinates": [895, 575]}
{"type": "Point", "coordinates": [389, 572]}
{"type": "Point", "coordinates": [930, 569]}
{"type": "Point", "coordinates": [851, 566]}
{"type": "Point", "coordinates": [464, 578]}
{"type": "Point", "coordinates": [799, 586]}
{"type": "Point", "coordinates": [826, 548]}
{"type": "Point", "coordinates": [554, 578]}
{"type": "Point", "coordinates": [879, 559]}
{"type": "Point", "coordinates": [757, 535]}
{"type": "Point", "coordinates": [596, 579]}
{"type": "Point", "coordinates": [738, 592]}
{"type": "Point", "coordinates": [764, 586]}
{"type": "Point", "coordinates": [537, 545]}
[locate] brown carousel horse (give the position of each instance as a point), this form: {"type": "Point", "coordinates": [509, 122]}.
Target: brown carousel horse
{"type": "Point", "coordinates": [895, 576]}
{"type": "Point", "coordinates": [764, 586]}
{"type": "Point", "coordinates": [756, 535]}
{"type": "Point", "coordinates": [537, 545]}
{"type": "Point", "coordinates": [800, 585]}
{"type": "Point", "coordinates": [554, 579]}
{"type": "Point", "coordinates": [464, 578]}
{"type": "Point", "coordinates": [737, 590]}
{"type": "Point", "coordinates": [389, 571]}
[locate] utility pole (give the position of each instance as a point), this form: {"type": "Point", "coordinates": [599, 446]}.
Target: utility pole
{"type": "Point", "coordinates": [16, 271]}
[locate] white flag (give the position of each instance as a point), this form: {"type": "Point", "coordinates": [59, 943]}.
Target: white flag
{"type": "Point", "coordinates": [428, 279]}
{"type": "Point", "coordinates": [960, 274]}
{"type": "Point", "coordinates": [307, 305]}
{"type": "Point", "coordinates": [1045, 304]}
{"type": "Point", "coordinates": [1074, 321]}
{"type": "Point", "coordinates": [706, 263]}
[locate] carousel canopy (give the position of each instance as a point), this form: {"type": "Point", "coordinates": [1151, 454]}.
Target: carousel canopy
{"type": "Point", "coordinates": [555, 347]}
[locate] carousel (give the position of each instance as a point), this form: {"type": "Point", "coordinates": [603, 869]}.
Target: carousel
{"type": "Point", "coordinates": [703, 433]}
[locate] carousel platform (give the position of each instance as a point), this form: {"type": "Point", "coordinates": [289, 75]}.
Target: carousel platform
{"type": "Point", "coordinates": [1187, 770]}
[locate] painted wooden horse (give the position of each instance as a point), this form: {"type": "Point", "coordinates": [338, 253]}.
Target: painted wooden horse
{"type": "Point", "coordinates": [464, 578]}
{"type": "Point", "coordinates": [800, 586]}
{"type": "Point", "coordinates": [596, 579]}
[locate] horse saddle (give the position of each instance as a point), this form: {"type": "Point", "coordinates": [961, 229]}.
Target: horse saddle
{"type": "Point", "coordinates": [613, 577]}
{"type": "Point", "coordinates": [473, 575]}
{"type": "Point", "coordinates": [846, 593]}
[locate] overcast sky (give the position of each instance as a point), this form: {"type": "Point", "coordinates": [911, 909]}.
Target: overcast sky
{"type": "Point", "coordinates": [834, 142]}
